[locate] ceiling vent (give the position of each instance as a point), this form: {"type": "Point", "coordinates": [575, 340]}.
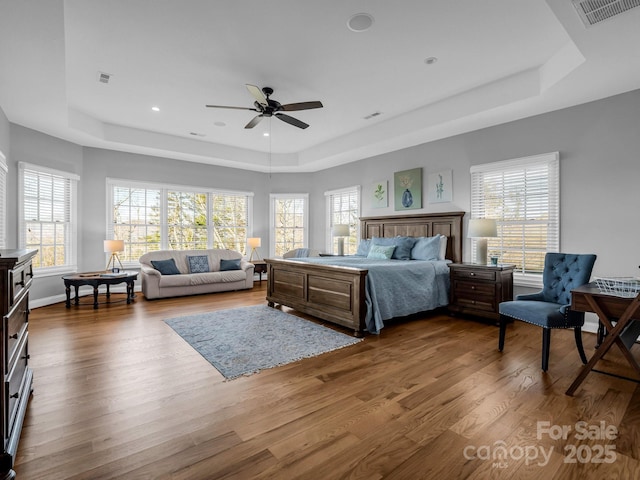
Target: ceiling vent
{"type": "Point", "coordinates": [596, 11]}
{"type": "Point", "coordinates": [104, 77]}
{"type": "Point", "coordinates": [372, 115]}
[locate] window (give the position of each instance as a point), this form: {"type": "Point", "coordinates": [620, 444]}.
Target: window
{"type": "Point", "coordinates": [343, 207]}
{"type": "Point", "coordinates": [3, 201]}
{"type": "Point", "coordinates": [48, 216]}
{"type": "Point", "coordinates": [523, 195]}
{"type": "Point", "coordinates": [289, 222]}
{"type": "Point", "coordinates": [152, 217]}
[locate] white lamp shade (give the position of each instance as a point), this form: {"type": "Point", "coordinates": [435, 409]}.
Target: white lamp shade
{"type": "Point", "coordinates": [112, 246]}
{"type": "Point", "coordinates": [340, 230]}
{"type": "Point", "coordinates": [254, 242]}
{"type": "Point", "coordinates": [482, 228]}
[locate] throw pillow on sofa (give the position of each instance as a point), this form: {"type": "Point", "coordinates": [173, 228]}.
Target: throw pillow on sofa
{"type": "Point", "coordinates": [198, 263]}
{"type": "Point", "coordinates": [226, 265]}
{"type": "Point", "coordinates": [166, 267]}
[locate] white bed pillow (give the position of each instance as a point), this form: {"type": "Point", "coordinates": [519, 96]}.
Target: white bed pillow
{"type": "Point", "coordinates": [443, 247]}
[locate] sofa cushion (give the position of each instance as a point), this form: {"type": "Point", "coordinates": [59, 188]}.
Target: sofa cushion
{"type": "Point", "coordinates": [226, 265]}
{"type": "Point", "coordinates": [166, 267]}
{"type": "Point", "coordinates": [198, 263]}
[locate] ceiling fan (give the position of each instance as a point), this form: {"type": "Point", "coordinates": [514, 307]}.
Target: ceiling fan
{"type": "Point", "coordinates": [268, 107]}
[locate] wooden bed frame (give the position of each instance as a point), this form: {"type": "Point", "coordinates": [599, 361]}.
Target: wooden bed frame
{"type": "Point", "coordinates": [336, 294]}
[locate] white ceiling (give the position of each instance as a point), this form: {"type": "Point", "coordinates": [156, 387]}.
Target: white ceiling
{"type": "Point", "coordinates": [498, 60]}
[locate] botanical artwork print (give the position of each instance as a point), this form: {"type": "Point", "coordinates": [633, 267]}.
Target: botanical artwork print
{"type": "Point", "coordinates": [440, 188]}
{"type": "Point", "coordinates": [379, 195]}
{"type": "Point", "coordinates": [407, 192]}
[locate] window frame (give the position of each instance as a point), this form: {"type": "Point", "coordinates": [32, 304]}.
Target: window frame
{"type": "Point", "coordinates": [273, 197]}
{"type": "Point", "coordinates": [163, 206]}
{"type": "Point", "coordinates": [71, 211]}
{"type": "Point", "coordinates": [479, 207]}
{"type": "Point", "coordinates": [4, 171]}
{"type": "Point", "coordinates": [351, 242]}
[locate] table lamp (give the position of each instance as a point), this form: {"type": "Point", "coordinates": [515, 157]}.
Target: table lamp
{"type": "Point", "coordinates": [113, 247]}
{"type": "Point", "coordinates": [340, 231]}
{"type": "Point", "coordinates": [481, 229]}
{"type": "Point", "coordinates": [254, 243]}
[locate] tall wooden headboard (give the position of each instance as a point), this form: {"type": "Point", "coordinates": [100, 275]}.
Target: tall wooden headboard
{"type": "Point", "coordinates": [421, 225]}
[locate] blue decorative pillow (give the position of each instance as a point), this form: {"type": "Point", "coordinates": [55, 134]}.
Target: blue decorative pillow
{"type": "Point", "coordinates": [403, 246]}
{"type": "Point", "coordinates": [381, 252]}
{"type": "Point", "coordinates": [427, 248]}
{"type": "Point", "coordinates": [226, 265]}
{"type": "Point", "coordinates": [166, 267]}
{"type": "Point", "coordinates": [363, 248]}
{"type": "Point", "coordinates": [198, 263]}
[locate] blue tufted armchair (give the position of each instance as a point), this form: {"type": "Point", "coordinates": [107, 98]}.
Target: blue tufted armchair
{"type": "Point", "coordinates": [549, 308]}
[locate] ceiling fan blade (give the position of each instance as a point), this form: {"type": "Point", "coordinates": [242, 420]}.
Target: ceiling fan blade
{"type": "Point", "coordinates": [235, 108]}
{"type": "Point", "coordinates": [257, 94]}
{"type": "Point", "coordinates": [291, 107]}
{"type": "Point", "coordinates": [254, 121]}
{"type": "Point", "coordinates": [292, 121]}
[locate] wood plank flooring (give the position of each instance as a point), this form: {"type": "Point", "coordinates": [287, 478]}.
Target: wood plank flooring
{"type": "Point", "coordinates": [119, 394]}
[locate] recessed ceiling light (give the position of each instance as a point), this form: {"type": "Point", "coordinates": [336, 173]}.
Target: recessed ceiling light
{"type": "Point", "coordinates": [220, 124]}
{"type": "Point", "coordinates": [155, 109]}
{"type": "Point", "coordinates": [360, 22]}
{"type": "Point", "coordinates": [430, 60]}
{"type": "Point", "coordinates": [265, 134]}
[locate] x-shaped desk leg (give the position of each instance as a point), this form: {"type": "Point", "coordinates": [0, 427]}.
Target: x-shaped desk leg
{"type": "Point", "coordinates": [613, 336]}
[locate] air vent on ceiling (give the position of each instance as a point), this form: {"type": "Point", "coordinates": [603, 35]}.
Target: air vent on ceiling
{"type": "Point", "coordinates": [374, 114]}
{"type": "Point", "coordinates": [596, 11]}
{"type": "Point", "coordinates": [104, 77]}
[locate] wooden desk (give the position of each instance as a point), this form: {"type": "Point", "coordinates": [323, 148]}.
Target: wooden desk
{"type": "Point", "coordinates": [609, 308]}
{"type": "Point", "coordinates": [95, 281]}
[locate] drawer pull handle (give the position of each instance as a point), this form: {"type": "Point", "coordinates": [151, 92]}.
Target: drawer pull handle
{"type": "Point", "coordinates": [29, 273]}
{"type": "Point", "coordinates": [26, 357]}
{"type": "Point", "coordinates": [15, 395]}
{"type": "Point", "coordinates": [19, 284]}
{"type": "Point", "coordinates": [473, 287]}
{"type": "Point", "coordinates": [472, 274]}
{"type": "Point", "coordinates": [14, 336]}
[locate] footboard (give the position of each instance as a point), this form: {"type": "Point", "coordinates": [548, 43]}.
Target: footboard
{"type": "Point", "coordinates": [331, 293]}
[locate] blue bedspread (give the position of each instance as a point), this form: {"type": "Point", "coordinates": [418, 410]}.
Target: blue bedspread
{"type": "Point", "coordinates": [395, 288]}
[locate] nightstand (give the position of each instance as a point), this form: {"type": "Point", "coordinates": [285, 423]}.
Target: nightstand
{"type": "Point", "coordinates": [260, 267]}
{"type": "Point", "coordinates": [479, 289]}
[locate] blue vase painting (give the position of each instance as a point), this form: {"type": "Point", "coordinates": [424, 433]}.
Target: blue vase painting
{"type": "Point", "coordinates": [407, 198]}
{"type": "Point", "coordinates": [408, 189]}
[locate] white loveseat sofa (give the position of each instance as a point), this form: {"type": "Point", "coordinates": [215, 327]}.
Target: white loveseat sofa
{"type": "Point", "coordinates": [157, 285]}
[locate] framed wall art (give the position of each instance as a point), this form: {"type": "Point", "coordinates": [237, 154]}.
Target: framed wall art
{"type": "Point", "coordinates": [440, 187]}
{"type": "Point", "coordinates": [379, 194]}
{"type": "Point", "coordinates": [407, 189]}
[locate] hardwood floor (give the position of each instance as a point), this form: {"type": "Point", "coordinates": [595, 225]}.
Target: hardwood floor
{"type": "Point", "coordinates": [119, 394]}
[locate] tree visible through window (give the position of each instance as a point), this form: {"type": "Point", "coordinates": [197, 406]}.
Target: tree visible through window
{"type": "Point", "coordinates": [153, 217]}
{"type": "Point", "coordinates": [289, 223]}
{"type": "Point", "coordinates": [523, 195]}
{"type": "Point", "coordinates": [47, 215]}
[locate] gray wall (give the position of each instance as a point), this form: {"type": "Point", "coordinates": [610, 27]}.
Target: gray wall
{"type": "Point", "coordinates": [599, 145]}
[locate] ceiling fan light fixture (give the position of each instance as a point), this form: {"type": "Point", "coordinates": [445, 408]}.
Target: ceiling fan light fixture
{"type": "Point", "coordinates": [360, 22]}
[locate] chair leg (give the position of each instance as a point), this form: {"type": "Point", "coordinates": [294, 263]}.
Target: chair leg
{"type": "Point", "coordinates": [503, 331]}
{"type": "Point", "coordinates": [578, 334]}
{"type": "Point", "coordinates": [546, 343]}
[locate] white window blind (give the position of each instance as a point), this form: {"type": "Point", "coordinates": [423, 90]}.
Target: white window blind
{"type": "Point", "coordinates": [523, 195]}
{"type": "Point", "coordinates": [48, 216]}
{"type": "Point", "coordinates": [3, 201]}
{"type": "Point", "coordinates": [343, 208]}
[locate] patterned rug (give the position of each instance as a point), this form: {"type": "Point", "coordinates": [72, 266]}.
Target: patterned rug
{"type": "Point", "coordinates": [245, 340]}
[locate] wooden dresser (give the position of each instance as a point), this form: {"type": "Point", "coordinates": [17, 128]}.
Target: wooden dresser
{"type": "Point", "coordinates": [16, 275]}
{"type": "Point", "coordinates": [479, 289]}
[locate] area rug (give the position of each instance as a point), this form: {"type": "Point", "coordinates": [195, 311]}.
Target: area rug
{"type": "Point", "coordinates": [245, 340]}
